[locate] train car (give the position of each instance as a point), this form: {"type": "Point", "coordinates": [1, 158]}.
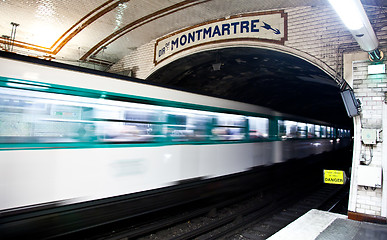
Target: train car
{"type": "Point", "coordinates": [75, 142]}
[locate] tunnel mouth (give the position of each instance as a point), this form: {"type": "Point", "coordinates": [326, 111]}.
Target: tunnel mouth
{"type": "Point", "coordinates": [258, 76]}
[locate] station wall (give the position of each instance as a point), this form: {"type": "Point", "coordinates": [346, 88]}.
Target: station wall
{"type": "Point", "coordinates": [371, 89]}
{"type": "Point", "coordinates": [314, 33]}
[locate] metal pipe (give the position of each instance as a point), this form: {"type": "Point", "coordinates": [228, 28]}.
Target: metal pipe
{"type": "Point", "coordinates": [13, 34]}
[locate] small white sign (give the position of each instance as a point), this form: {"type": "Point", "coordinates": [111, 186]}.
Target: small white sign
{"type": "Point", "coordinates": [377, 69]}
{"type": "Point", "coordinates": [264, 26]}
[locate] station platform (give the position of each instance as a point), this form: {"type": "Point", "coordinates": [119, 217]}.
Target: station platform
{"type": "Point", "coordinates": [321, 225]}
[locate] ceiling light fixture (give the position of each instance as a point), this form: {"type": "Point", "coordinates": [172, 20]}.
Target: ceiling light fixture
{"type": "Point", "coordinates": [350, 13]}
{"type": "Point", "coordinates": [217, 64]}
{"type": "Point", "coordinates": [355, 19]}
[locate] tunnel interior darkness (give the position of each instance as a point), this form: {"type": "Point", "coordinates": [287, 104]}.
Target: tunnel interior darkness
{"type": "Point", "coordinates": [258, 76]}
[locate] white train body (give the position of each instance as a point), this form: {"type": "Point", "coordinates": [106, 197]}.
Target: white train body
{"type": "Point", "coordinates": [40, 173]}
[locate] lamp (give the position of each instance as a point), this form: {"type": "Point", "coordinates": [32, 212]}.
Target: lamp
{"type": "Point", "coordinates": [217, 64]}
{"type": "Point", "coordinates": [351, 13]}
{"type": "Point", "coordinates": [355, 19]}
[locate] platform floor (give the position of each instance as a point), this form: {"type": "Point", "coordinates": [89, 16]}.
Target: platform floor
{"type": "Point", "coordinates": [321, 225]}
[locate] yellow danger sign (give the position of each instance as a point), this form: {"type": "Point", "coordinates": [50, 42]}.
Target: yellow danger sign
{"type": "Point", "coordinates": [334, 176]}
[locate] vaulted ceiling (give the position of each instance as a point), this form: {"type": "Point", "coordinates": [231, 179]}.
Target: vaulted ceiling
{"type": "Point", "coordinates": [107, 30]}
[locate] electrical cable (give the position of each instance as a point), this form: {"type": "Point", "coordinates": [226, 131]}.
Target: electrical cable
{"type": "Point", "coordinates": [366, 161]}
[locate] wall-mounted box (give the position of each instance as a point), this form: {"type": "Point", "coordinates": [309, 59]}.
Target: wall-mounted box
{"type": "Point", "coordinates": [369, 136]}
{"type": "Point", "coordinates": [350, 102]}
{"type": "Point", "coordinates": [369, 176]}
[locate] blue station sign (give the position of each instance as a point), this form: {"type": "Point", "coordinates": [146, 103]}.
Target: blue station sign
{"type": "Point", "coordinates": [263, 26]}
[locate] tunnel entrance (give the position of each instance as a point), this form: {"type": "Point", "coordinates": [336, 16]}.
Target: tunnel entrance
{"type": "Point", "coordinates": [264, 77]}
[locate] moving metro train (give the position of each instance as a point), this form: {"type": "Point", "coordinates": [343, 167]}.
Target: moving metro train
{"type": "Point", "coordinates": [74, 138]}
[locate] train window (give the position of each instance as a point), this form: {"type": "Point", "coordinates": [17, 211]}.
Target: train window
{"type": "Point", "coordinates": [301, 130]}
{"type": "Point", "coordinates": [329, 132]}
{"type": "Point", "coordinates": [258, 127]}
{"type": "Point", "coordinates": [144, 124]}
{"type": "Point", "coordinates": [177, 128]}
{"type": "Point", "coordinates": [288, 129]}
{"type": "Point", "coordinates": [343, 133]}
{"type": "Point", "coordinates": [323, 131]}
{"type": "Point", "coordinates": [311, 130]}
{"type": "Point", "coordinates": [229, 127]}
{"type": "Point", "coordinates": [131, 123]}
{"type": "Point", "coordinates": [348, 134]}
{"type": "Point", "coordinates": [189, 126]}
{"type": "Point", "coordinates": [230, 120]}
{"type": "Point", "coordinates": [200, 125]}
{"type": "Point", "coordinates": [318, 131]}
{"type": "Point", "coordinates": [281, 129]}
{"type": "Point", "coordinates": [37, 117]}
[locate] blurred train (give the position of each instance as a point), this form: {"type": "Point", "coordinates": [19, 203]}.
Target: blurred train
{"type": "Point", "coordinates": [76, 142]}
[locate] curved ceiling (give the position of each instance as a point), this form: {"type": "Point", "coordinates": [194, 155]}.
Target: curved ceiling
{"type": "Point", "coordinates": [104, 31]}
{"type": "Point", "coordinates": [258, 76]}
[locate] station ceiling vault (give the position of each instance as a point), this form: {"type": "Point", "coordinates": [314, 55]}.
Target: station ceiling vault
{"type": "Point", "coordinates": [105, 31]}
{"type": "Point", "coordinates": [110, 29]}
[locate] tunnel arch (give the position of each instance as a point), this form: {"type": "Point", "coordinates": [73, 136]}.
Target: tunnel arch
{"type": "Point", "coordinates": [269, 75]}
{"type": "Point", "coordinates": [251, 44]}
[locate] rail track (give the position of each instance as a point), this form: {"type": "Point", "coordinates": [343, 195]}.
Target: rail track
{"type": "Point", "coordinates": [251, 216]}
